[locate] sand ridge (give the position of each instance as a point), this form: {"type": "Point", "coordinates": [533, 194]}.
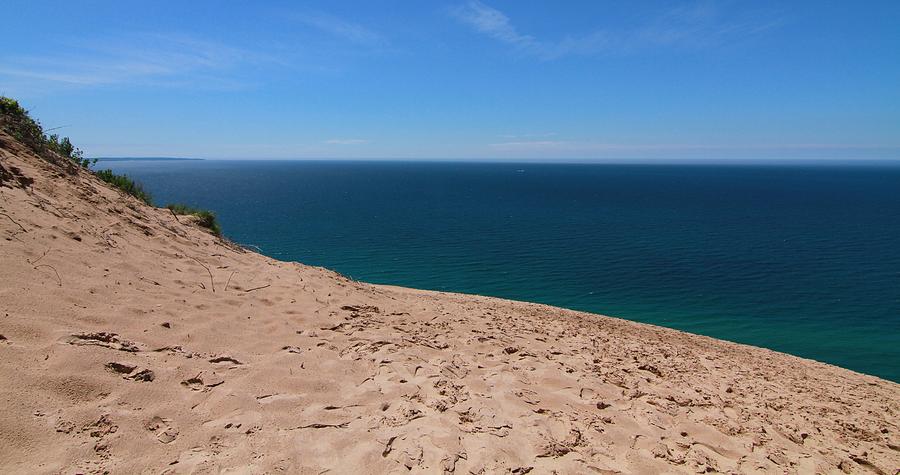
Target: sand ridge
{"type": "Point", "coordinates": [135, 343]}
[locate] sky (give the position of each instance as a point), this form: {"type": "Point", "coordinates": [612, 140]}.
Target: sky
{"type": "Point", "coordinates": [498, 80]}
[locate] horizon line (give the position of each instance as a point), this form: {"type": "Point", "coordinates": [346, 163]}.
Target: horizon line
{"type": "Point", "coordinates": [561, 161]}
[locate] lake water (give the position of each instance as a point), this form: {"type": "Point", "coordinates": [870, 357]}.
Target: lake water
{"type": "Point", "coordinates": [803, 259]}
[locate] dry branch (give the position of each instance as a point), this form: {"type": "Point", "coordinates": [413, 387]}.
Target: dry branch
{"type": "Point", "coordinates": [319, 425]}
{"type": "Point", "coordinates": [211, 283]}
{"type": "Point", "coordinates": [228, 281]}
{"type": "Point", "coordinates": [257, 288]}
{"type": "Point", "coordinates": [58, 279]}
{"type": "Point", "coordinates": [15, 222]}
{"type": "Point", "coordinates": [39, 258]}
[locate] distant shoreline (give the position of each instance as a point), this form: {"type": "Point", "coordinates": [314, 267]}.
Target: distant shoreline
{"type": "Point", "coordinates": [140, 159]}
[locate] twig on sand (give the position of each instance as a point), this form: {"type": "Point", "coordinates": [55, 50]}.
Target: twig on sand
{"type": "Point", "coordinates": [176, 216]}
{"type": "Point", "coordinates": [228, 281]}
{"type": "Point", "coordinates": [58, 279]}
{"type": "Point", "coordinates": [257, 288]}
{"type": "Point", "coordinates": [15, 222]}
{"type": "Point", "coordinates": [319, 425]}
{"type": "Point", "coordinates": [39, 258]}
{"type": "Point", "coordinates": [211, 282]}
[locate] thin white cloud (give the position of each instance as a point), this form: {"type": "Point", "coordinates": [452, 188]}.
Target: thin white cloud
{"type": "Point", "coordinates": [157, 59]}
{"type": "Point", "coordinates": [695, 25]}
{"type": "Point", "coordinates": [493, 23]}
{"type": "Point", "coordinates": [527, 136]}
{"type": "Point", "coordinates": [341, 28]}
{"type": "Point", "coordinates": [531, 145]}
{"type": "Point", "coordinates": [346, 141]}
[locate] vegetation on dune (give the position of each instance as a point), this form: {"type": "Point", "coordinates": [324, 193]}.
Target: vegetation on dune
{"type": "Point", "coordinates": [126, 184]}
{"type": "Point", "coordinates": [65, 148]}
{"type": "Point", "coordinates": [205, 218]}
{"type": "Point", "coordinates": [16, 121]}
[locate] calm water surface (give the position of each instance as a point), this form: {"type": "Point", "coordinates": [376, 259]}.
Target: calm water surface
{"type": "Point", "coordinates": [800, 259]}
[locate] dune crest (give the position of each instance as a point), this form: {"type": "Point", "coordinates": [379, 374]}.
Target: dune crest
{"type": "Point", "coordinates": [131, 342]}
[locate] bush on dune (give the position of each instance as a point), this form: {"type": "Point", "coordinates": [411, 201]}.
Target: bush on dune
{"type": "Point", "coordinates": [17, 122]}
{"type": "Point", "coordinates": [126, 184]}
{"type": "Point", "coordinates": [205, 218]}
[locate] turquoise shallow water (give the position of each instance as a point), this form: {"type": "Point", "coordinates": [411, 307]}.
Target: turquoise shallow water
{"type": "Point", "coordinates": [800, 259]}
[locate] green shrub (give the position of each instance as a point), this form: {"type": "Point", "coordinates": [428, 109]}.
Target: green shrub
{"type": "Point", "coordinates": [16, 121]}
{"type": "Point", "coordinates": [65, 148]}
{"type": "Point", "coordinates": [205, 218]}
{"type": "Point", "coordinates": [126, 184]}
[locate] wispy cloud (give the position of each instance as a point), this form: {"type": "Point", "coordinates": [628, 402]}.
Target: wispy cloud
{"type": "Point", "coordinates": [158, 59]}
{"type": "Point", "coordinates": [528, 136]}
{"type": "Point", "coordinates": [173, 59]}
{"type": "Point", "coordinates": [495, 24]}
{"type": "Point", "coordinates": [346, 141]}
{"type": "Point", "coordinates": [695, 25]}
{"type": "Point", "coordinates": [341, 28]}
{"type": "Point", "coordinates": [531, 145]}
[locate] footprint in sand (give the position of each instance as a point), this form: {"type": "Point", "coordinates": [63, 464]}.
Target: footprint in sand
{"type": "Point", "coordinates": [194, 384]}
{"type": "Point", "coordinates": [224, 359]}
{"type": "Point", "coordinates": [144, 375]}
{"type": "Point", "coordinates": [105, 339]}
{"type": "Point", "coordinates": [126, 369]}
{"type": "Point", "coordinates": [164, 432]}
{"type": "Point", "coordinates": [199, 384]}
{"type": "Point", "coordinates": [120, 368]}
{"type": "Point", "coordinates": [167, 436]}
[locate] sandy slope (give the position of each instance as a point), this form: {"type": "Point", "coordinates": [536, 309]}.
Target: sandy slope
{"type": "Point", "coordinates": [269, 366]}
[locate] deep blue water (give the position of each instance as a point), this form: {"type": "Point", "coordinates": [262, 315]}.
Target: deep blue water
{"type": "Point", "coordinates": [798, 258]}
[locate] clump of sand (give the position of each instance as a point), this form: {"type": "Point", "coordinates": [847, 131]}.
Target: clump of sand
{"type": "Point", "coordinates": [135, 343]}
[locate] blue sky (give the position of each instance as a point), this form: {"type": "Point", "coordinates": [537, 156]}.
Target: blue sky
{"type": "Point", "coordinates": [461, 79]}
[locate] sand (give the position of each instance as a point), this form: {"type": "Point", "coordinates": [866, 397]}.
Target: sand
{"type": "Point", "coordinates": [133, 342]}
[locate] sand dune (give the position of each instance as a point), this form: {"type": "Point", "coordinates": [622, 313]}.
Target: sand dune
{"type": "Point", "coordinates": [134, 343]}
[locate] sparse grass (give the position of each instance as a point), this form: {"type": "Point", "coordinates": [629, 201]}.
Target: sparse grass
{"type": "Point", "coordinates": [205, 218]}
{"type": "Point", "coordinates": [16, 121]}
{"type": "Point", "coordinates": [126, 184]}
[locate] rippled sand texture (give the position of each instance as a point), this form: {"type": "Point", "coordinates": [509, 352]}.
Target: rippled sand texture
{"type": "Point", "coordinates": [132, 342]}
